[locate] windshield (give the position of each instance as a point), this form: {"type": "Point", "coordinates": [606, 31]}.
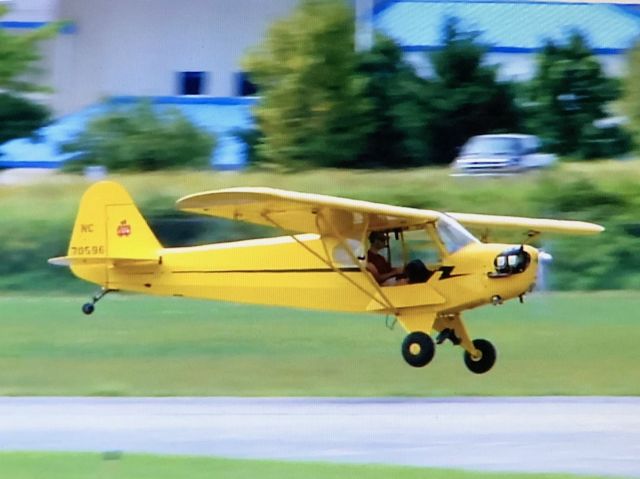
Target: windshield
{"type": "Point", "coordinates": [491, 145]}
{"type": "Point", "coordinates": [453, 235]}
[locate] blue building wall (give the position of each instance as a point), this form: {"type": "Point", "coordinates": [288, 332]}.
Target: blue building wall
{"type": "Point", "coordinates": [220, 116]}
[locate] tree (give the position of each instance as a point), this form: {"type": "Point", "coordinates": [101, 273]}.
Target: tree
{"type": "Point", "coordinates": [631, 98]}
{"type": "Point", "coordinates": [141, 139]}
{"type": "Point", "coordinates": [312, 109]}
{"type": "Point", "coordinates": [19, 55]}
{"type": "Point", "coordinates": [568, 93]}
{"type": "Point", "coordinates": [19, 117]}
{"type": "Point", "coordinates": [465, 97]}
{"type": "Point", "coordinates": [397, 116]}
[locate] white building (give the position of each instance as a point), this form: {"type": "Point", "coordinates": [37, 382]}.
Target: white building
{"type": "Point", "coordinates": [146, 47]}
{"type": "Point", "coordinates": [161, 48]}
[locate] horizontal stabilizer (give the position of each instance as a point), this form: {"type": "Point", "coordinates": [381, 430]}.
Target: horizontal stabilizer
{"type": "Point", "coordinates": [79, 260]}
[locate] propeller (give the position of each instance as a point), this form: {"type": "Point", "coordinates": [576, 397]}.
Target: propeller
{"type": "Point", "coordinates": [544, 263]}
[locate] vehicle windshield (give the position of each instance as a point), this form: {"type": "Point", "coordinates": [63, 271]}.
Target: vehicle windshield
{"type": "Point", "coordinates": [491, 145]}
{"type": "Point", "coordinates": [453, 235]}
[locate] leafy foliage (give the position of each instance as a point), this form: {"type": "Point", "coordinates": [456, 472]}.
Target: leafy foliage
{"type": "Point", "coordinates": [568, 94]}
{"type": "Point", "coordinates": [252, 137]}
{"type": "Point", "coordinates": [325, 105]}
{"type": "Point", "coordinates": [398, 114]}
{"type": "Point", "coordinates": [141, 139]}
{"type": "Point", "coordinates": [19, 54]}
{"type": "Point", "coordinates": [631, 97]}
{"type": "Point", "coordinates": [465, 97]}
{"type": "Point", "coordinates": [19, 117]}
{"type": "Point", "coordinates": [313, 109]}
{"type": "Point", "coordinates": [605, 261]}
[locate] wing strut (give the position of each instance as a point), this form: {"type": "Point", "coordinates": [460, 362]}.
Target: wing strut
{"type": "Point", "coordinates": [329, 263]}
{"type": "Point", "coordinates": [367, 275]}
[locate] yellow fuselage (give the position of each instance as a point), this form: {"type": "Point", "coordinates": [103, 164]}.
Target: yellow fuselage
{"type": "Point", "coordinates": [278, 271]}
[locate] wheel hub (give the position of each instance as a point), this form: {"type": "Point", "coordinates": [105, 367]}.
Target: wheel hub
{"type": "Point", "coordinates": [477, 356]}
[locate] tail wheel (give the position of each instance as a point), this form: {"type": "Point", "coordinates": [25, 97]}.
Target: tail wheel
{"type": "Point", "coordinates": [418, 349]}
{"type": "Point", "coordinates": [486, 360]}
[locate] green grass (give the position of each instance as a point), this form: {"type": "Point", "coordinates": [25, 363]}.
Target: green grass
{"type": "Point", "coordinates": [555, 344]}
{"type": "Point", "coordinates": [57, 197]}
{"type": "Point", "coordinates": [90, 466]}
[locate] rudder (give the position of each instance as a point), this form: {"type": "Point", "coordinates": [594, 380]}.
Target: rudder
{"type": "Point", "coordinates": [110, 226]}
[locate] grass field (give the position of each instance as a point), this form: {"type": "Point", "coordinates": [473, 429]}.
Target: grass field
{"type": "Point", "coordinates": [90, 466]}
{"type": "Point", "coordinates": [56, 197]}
{"type": "Point", "coordinates": [555, 344]}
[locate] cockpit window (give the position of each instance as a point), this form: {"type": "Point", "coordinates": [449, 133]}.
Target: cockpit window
{"type": "Point", "coordinates": [415, 244]}
{"type": "Point", "coordinates": [343, 257]}
{"type": "Point", "coordinates": [453, 235]}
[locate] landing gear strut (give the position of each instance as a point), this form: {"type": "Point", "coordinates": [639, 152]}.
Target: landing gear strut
{"type": "Point", "coordinates": [89, 308]}
{"type": "Point", "coordinates": [418, 348]}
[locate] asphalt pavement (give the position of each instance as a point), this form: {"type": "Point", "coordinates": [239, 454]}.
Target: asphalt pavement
{"type": "Point", "coordinates": [591, 435]}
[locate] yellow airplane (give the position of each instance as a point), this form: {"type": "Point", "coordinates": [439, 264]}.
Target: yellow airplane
{"type": "Point", "coordinates": [322, 263]}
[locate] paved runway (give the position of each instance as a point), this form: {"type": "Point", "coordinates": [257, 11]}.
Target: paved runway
{"type": "Point", "coordinates": [574, 435]}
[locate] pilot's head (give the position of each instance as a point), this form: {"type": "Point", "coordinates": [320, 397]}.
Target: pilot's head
{"type": "Point", "coordinates": [377, 239]}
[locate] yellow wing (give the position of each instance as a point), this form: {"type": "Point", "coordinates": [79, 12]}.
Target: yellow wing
{"type": "Point", "coordinates": [328, 215]}
{"type": "Point", "coordinates": [304, 212]}
{"type": "Point", "coordinates": [534, 225]}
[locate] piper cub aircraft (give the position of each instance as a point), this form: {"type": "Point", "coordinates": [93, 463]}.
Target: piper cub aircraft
{"type": "Point", "coordinates": [321, 260]}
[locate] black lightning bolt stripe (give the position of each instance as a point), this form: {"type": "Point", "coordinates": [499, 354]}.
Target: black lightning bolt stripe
{"type": "Point", "coordinates": [446, 272]}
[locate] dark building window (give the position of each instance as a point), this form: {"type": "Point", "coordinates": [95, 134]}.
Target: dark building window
{"type": "Point", "coordinates": [192, 83]}
{"type": "Point", "coordinates": [244, 86]}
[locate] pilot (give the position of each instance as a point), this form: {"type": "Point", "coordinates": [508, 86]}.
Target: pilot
{"type": "Point", "coordinates": [378, 266]}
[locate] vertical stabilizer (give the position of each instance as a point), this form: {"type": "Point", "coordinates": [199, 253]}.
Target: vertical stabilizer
{"type": "Point", "coordinates": [109, 226]}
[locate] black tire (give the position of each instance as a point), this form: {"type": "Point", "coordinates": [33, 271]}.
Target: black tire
{"type": "Point", "coordinates": [486, 361]}
{"type": "Point", "coordinates": [423, 349]}
{"type": "Point", "coordinates": [88, 308]}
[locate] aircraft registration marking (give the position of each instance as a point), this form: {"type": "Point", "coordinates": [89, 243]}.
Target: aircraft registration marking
{"type": "Point", "coordinates": [87, 250]}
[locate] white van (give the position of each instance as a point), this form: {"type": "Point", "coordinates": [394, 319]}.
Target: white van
{"type": "Point", "coordinates": [496, 154]}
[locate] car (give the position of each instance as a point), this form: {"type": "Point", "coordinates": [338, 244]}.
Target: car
{"type": "Point", "coordinates": [503, 153]}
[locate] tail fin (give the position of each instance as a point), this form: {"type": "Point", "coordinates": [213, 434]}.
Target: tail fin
{"type": "Point", "coordinates": [109, 227]}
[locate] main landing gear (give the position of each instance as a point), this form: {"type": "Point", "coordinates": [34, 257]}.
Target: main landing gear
{"type": "Point", "coordinates": [418, 348]}
{"type": "Point", "coordinates": [485, 360]}
{"type": "Point", "coordinates": [89, 308]}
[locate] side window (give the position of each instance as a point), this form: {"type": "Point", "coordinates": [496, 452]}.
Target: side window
{"type": "Point", "coordinates": [244, 86]}
{"type": "Point", "coordinates": [342, 257]}
{"type": "Point", "coordinates": [192, 83]}
{"type": "Point", "coordinates": [532, 146]}
{"type": "Point", "coordinates": [417, 245]}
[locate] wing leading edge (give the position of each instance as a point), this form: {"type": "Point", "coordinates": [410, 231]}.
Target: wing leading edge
{"type": "Point", "coordinates": [323, 214]}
